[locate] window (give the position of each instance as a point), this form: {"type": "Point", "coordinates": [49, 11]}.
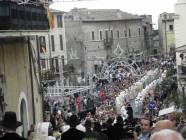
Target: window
{"type": "Point", "coordinates": [61, 41]}
{"type": "Point", "coordinates": [145, 29]}
{"type": "Point", "coordinates": [129, 33]}
{"type": "Point", "coordinates": [93, 35]}
{"type": "Point", "coordinates": [155, 51]}
{"type": "Point", "coordinates": [57, 64]}
{"type": "Point", "coordinates": [59, 21]}
{"type": "Point", "coordinates": [4, 11]}
{"type": "Point", "coordinates": [100, 35]}
{"type": "Point", "coordinates": [139, 31]}
{"type": "Point", "coordinates": [111, 33]}
{"type": "Point", "coordinates": [96, 68]}
{"type": "Point", "coordinates": [43, 64]}
{"type": "Point", "coordinates": [42, 44]}
{"type": "Point", "coordinates": [63, 60]}
{"type": "Point", "coordinates": [170, 16]}
{"type": "Point", "coordinates": [52, 63]}
{"type": "Point", "coordinates": [117, 34]}
{"type": "Point", "coordinates": [125, 33]}
{"type": "Point", "coordinates": [165, 17]}
{"type": "Point", "coordinates": [171, 28]}
{"type": "Point", "coordinates": [53, 43]}
{"type": "Point", "coordinates": [106, 35]}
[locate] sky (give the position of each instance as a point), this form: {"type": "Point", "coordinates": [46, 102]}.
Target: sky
{"type": "Point", "coordinates": [139, 7]}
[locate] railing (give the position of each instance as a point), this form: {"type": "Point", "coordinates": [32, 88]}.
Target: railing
{"type": "Point", "coordinates": [108, 42]}
{"type": "Point", "coordinates": [22, 17]}
{"type": "Point", "coordinates": [68, 90]}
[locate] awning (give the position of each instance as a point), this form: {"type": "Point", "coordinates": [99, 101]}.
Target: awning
{"type": "Point", "coordinates": [168, 110]}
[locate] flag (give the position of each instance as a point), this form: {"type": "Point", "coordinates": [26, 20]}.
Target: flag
{"type": "Point", "coordinates": [43, 50]}
{"type": "Point", "coordinates": [78, 100]}
{"type": "Point", "coordinates": [50, 17]}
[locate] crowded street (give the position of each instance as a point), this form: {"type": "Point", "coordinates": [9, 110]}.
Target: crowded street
{"type": "Point", "coordinates": [92, 70]}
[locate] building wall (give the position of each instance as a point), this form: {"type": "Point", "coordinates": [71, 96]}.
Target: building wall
{"type": "Point", "coordinates": [156, 45]}
{"type": "Point", "coordinates": [75, 45]}
{"type": "Point", "coordinates": [96, 49]}
{"type": "Point", "coordinates": [55, 53]}
{"type": "Point", "coordinates": [167, 39]}
{"type": "Point", "coordinates": [56, 31]}
{"type": "Point", "coordinates": [180, 22]}
{"type": "Point", "coordinates": [180, 30]}
{"type": "Point", "coordinates": [14, 64]}
{"type": "Point", "coordinates": [147, 26]}
{"type": "Point", "coordinates": [91, 53]}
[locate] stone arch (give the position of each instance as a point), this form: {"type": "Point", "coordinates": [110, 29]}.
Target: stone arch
{"type": "Point", "coordinates": [23, 114]}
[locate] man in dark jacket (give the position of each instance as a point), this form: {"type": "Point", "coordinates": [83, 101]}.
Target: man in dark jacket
{"type": "Point", "coordinates": [118, 129]}
{"type": "Point", "coordinates": [10, 124]}
{"type": "Point", "coordinates": [89, 134]}
{"type": "Point", "coordinates": [73, 133]}
{"type": "Point", "coordinates": [110, 129]}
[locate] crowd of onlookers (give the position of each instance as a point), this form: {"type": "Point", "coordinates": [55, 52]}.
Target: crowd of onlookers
{"type": "Point", "coordinates": [169, 127]}
{"type": "Point", "coordinates": [144, 128]}
{"type": "Point", "coordinates": [109, 89]}
{"type": "Point", "coordinates": [94, 117]}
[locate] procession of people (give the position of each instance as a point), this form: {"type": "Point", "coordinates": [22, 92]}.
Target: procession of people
{"type": "Point", "coordinates": [121, 108]}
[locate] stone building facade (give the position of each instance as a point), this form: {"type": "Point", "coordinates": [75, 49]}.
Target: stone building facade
{"type": "Point", "coordinates": [99, 35]}
{"type": "Point", "coordinates": [166, 33]}
{"type": "Point", "coordinates": [19, 65]}
{"type": "Point", "coordinates": [53, 48]}
{"type": "Point", "coordinates": [180, 31]}
{"type": "Point", "coordinates": [155, 51]}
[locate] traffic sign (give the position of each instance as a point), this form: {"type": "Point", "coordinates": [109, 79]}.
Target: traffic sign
{"type": "Point", "coordinates": [152, 105]}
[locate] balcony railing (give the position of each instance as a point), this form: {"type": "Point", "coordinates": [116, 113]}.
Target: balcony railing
{"type": "Point", "coordinates": [108, 42]}
{"type": "Point", "coordinates": [22, 17]}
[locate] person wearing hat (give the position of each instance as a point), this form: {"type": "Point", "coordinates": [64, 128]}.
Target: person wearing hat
{"type": "Point", "coordinates": [73, 133]}
{"type": "Point", "coordinates": [10, 124]}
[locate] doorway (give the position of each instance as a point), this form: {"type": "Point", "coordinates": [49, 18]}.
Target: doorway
{"type": "Point", "coordinates": [24, 120]}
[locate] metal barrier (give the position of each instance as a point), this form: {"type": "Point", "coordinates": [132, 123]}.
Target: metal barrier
{"type": "Point", "coordinates": [68, 90]}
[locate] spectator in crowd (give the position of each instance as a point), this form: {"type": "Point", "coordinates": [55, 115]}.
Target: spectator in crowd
{"type": "Point", "coordinates": [89, 134]}
{"type": "Point", "coordinates": [118, 128]}
{"type": "Point", "coordinates": [163, 124]}
{"type": "Point", "coordinates": [81, 127]}
{"type": "Point", "coordinates": [97, 128]}
{"type": "Point", "coordinates": [166, 134]}
{"type": "Point", "coordinates": [145, 125]}
{"type": "Point", "coordinates": [50, 133]}
{"type": "Point", "coordinates": [182, 123]}
{"type": "Point", "coordinates": [10, 124]}
{"type": "Point", "coordinates": [183, 132]}
{"type": "Point", "coordinates": [31, 132]}
{"type": "Point", "coordinates": [73, 133]}
{"type": "Point", "coordinates": [56, 133]}
{"type": "Point", "coordinates": [109, 129]}
{"type": "Point", "coordinates": [1, 131]}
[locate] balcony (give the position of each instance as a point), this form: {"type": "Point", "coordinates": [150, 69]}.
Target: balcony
{"type": "Point", "coordinates": [22, 17]}
{"type": "Point", "coordinates": [108, 42]}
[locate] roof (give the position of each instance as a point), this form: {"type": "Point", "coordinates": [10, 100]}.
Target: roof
{"type": "Point", "coordinates": [103, 14]}
{"type": "Point", "coordinates": [56, 11]}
